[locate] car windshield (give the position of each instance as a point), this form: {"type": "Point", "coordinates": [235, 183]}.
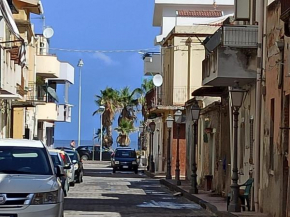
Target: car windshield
{"type": "Point", "coordinates": [24, 160]}
{"type": "Point", "coordinates": [126, 154]}
{"type": "Point", "coordinates": [72, 155]}
{"type": "Point", "coordinates": [55, 160]}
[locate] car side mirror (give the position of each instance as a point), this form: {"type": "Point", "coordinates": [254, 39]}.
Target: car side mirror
{"type": "Point", "coordinates": [74, 161]}
{"type": "Point", "coordinates": [59, 171]}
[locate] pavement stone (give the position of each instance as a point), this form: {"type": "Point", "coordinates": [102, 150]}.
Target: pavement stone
{"type": "Point", "coordinates": [125, 194]}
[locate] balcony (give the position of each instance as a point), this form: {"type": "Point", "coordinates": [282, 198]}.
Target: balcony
{"type": "Point", "coordinates": [47, 112]}
{"type": "Point", "coordinates": [174, 97]}
{"type": "Point", "coordinates": [152, 63]}
{"type": "Point", "coordinates": [47, 66]}
{"type": "Point", "coordinates": [67, 74]}
{"type": "Point", "coordinates": [231, 55]}
{"type": "Point", "coordinates": [64, 113]}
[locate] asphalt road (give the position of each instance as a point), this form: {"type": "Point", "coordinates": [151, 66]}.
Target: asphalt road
{"type": "Point", "coordinates": [124, 194]}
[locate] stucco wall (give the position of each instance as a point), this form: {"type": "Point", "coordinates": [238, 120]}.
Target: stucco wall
{"type": "Point", "coordinates": [271, 179]}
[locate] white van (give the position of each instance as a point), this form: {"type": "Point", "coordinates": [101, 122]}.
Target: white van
{"type": "Point", "coordinates": [29, 184]}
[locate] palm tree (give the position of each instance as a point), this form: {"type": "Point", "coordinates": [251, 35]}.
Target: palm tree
{"type": "Point", "coordinates": [109, 99]}
{"type": "Point", "coordinates": [124, 129]}
{"type": "Point", "coordinates": [98, 134]}
{"type": "Point", "coordinates": [146, 86]}
{"type": "Point", "coordinates": [128, 101]}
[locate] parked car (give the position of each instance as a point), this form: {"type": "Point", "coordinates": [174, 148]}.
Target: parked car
{"type": "Point", "coordinates": [69, 165]}
{"type": "Point", "coordinates": [30, 186]}
{"type": "Point", "coordinates": [87, 152]}
{"type": "Point", "coordinates": [113, 154]}
{"type": "Point", "coordinates": [78, 165]}
{"type": "Point", "coordinates": [57, 160]}
{"type": "Point", "coordinates": [125, 159]}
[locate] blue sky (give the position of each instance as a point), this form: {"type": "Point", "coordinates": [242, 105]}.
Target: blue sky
{"type": "Point", "coordinates": [99, 25]}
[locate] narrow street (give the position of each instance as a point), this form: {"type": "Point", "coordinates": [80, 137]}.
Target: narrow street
{"type": "Point", "coordinates": [104, 194]}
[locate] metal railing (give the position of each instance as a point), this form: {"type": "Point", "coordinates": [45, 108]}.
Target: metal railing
{"type": "Point", "coordinates": [169, 97]}
{"type": "Point", "coordinates": [245, 36]}
{"type": "Point", "coordinates": [240, 36]}
{"type": "Point", "coordinates": [37, 93]}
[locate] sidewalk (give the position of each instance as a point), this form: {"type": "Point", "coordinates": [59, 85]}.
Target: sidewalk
{"type": "Point", "coordinates": [213, 203]}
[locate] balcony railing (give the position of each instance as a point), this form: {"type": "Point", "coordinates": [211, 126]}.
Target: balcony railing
{"type": "Point", "coordinates": [177, 96]}
{"type": "Point", "coordinates": [233, 36]}
{"type": "Point", "coordinates": [37, 93]}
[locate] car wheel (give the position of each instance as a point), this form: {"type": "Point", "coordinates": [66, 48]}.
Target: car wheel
{"type": "Point", "coordinates": [72, 184]}
{"type": "Point", "coordinates": [85, 157]}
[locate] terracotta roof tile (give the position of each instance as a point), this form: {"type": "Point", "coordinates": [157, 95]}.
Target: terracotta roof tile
{"type": "Point", "coordinates": [200, 13]}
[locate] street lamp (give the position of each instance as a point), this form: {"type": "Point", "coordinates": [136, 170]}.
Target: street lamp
{"type": "Point", "coordinates": [152, 126]}
{"type": "Point", "coordinates": [236, 99]}
{"type": "Point", "coordinates": [169, 122]}
{"type": "Point", "coordinates": [195, 111]}
{"type": "Point", "coordinates": [80, 65]}
{"type": "Point", "coordinates": [178, 118]}
{"type": "Point", "coordinates": [101, 111]}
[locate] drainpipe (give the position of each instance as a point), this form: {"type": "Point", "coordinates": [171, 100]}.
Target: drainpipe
{"type": "Point", "coordinates": [188, 41]}
{"type": "Point", "coordinates": [260, 16]}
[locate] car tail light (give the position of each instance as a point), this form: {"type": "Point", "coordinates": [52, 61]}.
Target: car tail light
{"type": "Point", "coordinates": [62, 156]}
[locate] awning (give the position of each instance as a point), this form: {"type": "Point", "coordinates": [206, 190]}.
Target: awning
{"type": "Point", "coordinates": [52, 93]}
{"type": "Point", "coordinates": [210, 91]}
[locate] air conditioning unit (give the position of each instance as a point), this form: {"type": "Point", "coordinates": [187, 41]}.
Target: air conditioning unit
{"type": "Point", "coordinates": [242, 10]}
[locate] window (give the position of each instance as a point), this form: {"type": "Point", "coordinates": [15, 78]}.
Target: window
{"type": "Point", "coordinates": [72, 155]}
{"type": "Point", "coordinates": [126, 154]}
{"type": "Point", "coordinates": [67, 160]}
{"type": "Point", "coordinates": [55, 160]}
{"type": "Point", "coordinates": [24, 160]}
{"type": "Point", "coordinates": [272, 122]}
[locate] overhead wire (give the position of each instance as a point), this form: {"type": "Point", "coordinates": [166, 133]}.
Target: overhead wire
{"type": "Point", "coordinates": [103, 51]}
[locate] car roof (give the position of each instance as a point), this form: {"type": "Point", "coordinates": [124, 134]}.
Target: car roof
{"type": "Point", "coordinates": [21, 143]}
{"type": "Point", "coordinates": [56, 151]}
{"type": "Point", "coordinates": [67, 148]}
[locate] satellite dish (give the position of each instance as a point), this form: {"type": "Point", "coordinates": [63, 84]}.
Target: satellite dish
{"type": "Point", "coordinates": [48, 32]}
{"type": "Point", "coordinates": [157, 80]}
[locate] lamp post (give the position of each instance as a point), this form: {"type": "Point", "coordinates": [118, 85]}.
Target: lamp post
{"type": "Point", "coordinates": [101, 111]}
{"type": "Point", "coordinates": [236, 99]}
{"type": "Point", "coordinates": [177, 117]}
{"type": "Point", "coordinates": [152, 129]}
{"type": "Point", "coordinates": [195, 111]}
{"type": "Point", "coordinates": [141, 130]}
{"type": "Point", "coordinates": [169, 122]}
{"type": "Point", "coordinates": [80, 65]}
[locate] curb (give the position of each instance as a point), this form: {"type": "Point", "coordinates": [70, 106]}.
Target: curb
{"type": "Point", "coordinates": [191, 197]}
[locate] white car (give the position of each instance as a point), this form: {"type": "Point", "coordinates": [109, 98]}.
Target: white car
{"type": "Point", "coordinates": [29, 184]}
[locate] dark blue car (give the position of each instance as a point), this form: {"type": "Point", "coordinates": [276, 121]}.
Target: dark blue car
{"type": "Point", "coordinates": [124, 159]}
